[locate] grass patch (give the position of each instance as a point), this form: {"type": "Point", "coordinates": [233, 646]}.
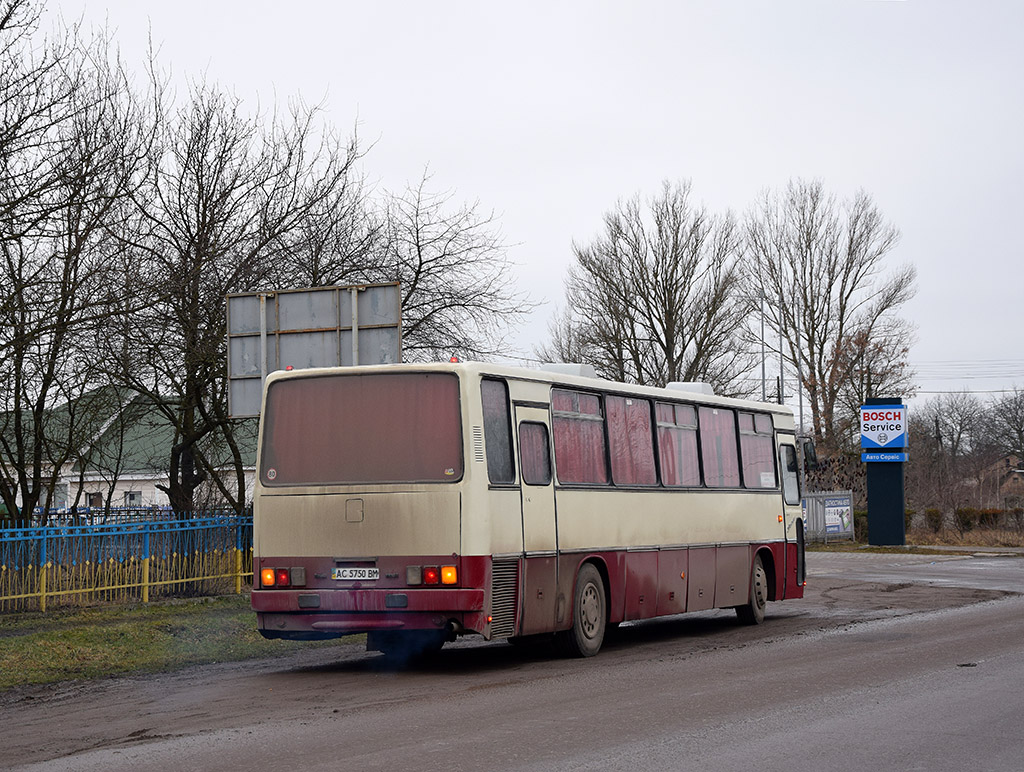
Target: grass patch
{"type": "Point", "coordinates": [922, 541]}
{"type": "Point", "coordinates": [979, 537]}
{"type": "Point", "coordinates": [101, 641]}
{"type": "Point", "coordinates": [850, 546]}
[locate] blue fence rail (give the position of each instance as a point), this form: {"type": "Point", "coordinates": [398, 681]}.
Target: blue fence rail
{"type": "Point", "coordinates": [124, 561]}
{"type": "Point", "coordinates": [110, 515]}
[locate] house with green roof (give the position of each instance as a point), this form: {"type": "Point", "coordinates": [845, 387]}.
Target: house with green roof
{"type": "Point", "coordinates": [119, 451]}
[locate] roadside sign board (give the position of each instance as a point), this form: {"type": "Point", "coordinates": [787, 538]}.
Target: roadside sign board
{"type": "Point", "coordinates": [298, 328]}
{"type": "Point", "coordinates": [838, 514]}
{"type": "Point", "coordinates": [879, 456]}
{"type": "Point", "coordinates": [883, 440]}
{"type": "Point", "coordinates": [883, 427]}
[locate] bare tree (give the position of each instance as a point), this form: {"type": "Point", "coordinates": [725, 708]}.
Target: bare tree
{"type": "Point", "coordinates": [568, 339]}
{"type": "Point", "coordinates": [655, 298]}
{"type": "Point", "coordinates": [877, 366]}
{"type": "Point", "coordinates": [456, 279]}
{"type": "Point", "coordinates": [1007, 424]}
{"type": "Point", "coordinates": [821, 264]}
{"type": "Point", "coordinates": [952, 453]}
{"type": "Point", "coordinates": [35, 97]}
{"type": "Point", "coordinates": [123, 224]}
{"type": "Point", "coordinates": [227, 197]}
{"type": "Point", "coordinates": [71, 153]}
{"type": "Point", "coordinates": [338, 241]}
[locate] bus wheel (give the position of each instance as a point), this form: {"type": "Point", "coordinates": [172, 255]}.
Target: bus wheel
{"type": "Point", "coordinates": [752, 612]}
{"type": "Point", "coordinates": [589, 615]}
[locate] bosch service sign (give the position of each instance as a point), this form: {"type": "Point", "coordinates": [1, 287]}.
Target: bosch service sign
{"type": "Point", "coordinates": [883, 427]}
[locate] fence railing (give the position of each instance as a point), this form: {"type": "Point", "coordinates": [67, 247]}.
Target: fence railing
{"type": "Point", "coordinates": [40, 567]}
{"type": "Point", "coordinates": [110, 516]}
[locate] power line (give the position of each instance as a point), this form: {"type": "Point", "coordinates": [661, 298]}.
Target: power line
{"type": "Point", "coordinates": [965, 361]}
{"type": "Point", "coordinates": [955, 377]}
{"type": "Point", "coordinates": [972, 391]}
{"type": "Point", "coordinates": [968, 369]}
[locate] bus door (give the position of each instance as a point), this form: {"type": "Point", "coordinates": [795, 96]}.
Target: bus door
{"type": "Point", "coordinates": [793, 513]}
{"type": "Point", "coordinates": [540, 533]}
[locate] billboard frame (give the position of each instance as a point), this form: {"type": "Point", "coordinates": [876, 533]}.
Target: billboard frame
{"type": "Point", "coordinates": [309, 327]}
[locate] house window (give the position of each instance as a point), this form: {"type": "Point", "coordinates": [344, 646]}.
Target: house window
{"type": "Point", "coordinates": [94, 499]}
{"type": "Point", "coordinates": [133, 499]}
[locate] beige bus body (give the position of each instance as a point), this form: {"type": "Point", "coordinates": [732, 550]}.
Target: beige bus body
{"type": "Point", "coordinates": [517, 549]}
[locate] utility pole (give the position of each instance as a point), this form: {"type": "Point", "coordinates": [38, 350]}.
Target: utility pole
{"type": "Point", "coordinates": [764, 386]}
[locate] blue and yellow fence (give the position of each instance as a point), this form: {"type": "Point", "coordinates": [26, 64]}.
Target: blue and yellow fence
{"type": "Point", "coordinates": [41, 567]}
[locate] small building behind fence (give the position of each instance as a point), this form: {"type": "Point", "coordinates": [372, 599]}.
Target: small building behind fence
{"type": "Point", "coordinates": [120, 461]}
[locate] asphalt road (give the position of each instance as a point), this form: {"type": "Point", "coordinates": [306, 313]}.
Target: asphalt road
{"type": "Point", "coordinates": [890, 663]}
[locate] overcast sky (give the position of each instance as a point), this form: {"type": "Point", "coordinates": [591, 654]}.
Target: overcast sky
{"type": "Point", "coordinates": [549, 112]}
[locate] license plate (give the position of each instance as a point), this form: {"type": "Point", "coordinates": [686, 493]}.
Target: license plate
{"type": "Point", "coordinates": [356, 574]}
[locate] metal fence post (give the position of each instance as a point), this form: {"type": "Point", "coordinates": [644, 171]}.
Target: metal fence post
{"type": "Point", "coordinates": [238, 557]}
{"type": "Point", "coordinates": [42, 570]}
{"type": "Point", "coordinates": [145, 564]}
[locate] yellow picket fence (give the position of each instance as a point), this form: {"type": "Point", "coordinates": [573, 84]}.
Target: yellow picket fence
{"type": "Point", "coordinates": [42, 567]}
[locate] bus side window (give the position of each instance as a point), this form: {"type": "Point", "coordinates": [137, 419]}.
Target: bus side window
{"type": "Point", "coordinates": [497, 431]}
{"type": "Point", "coordinates": [718, 447]}
{"type": "Point", "coordinates": [677, 445]}
{"type": "Point", "coordinates": [578, 426]}
{"type": "Point", "coordinates": [630, 440]}
{"type": "Point", "coordinates": [790, 475]}
{"type": "Point", "coordinates": [756, 443]}
{"type": "Point", "coordinates": [535, 453]}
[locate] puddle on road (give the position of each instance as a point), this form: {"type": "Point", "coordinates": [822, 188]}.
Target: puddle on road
{"type": "Point", "coordinates": [870, 598]}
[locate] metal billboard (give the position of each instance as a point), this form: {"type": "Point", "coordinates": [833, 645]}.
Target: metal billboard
{"type": "Point", "coordinates": [319, 327]}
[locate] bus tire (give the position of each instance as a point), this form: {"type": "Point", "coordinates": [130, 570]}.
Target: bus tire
{"type": "Point", "coordinates": [752, 612]}
{"type": "Point", "coordinates": [589, 615]}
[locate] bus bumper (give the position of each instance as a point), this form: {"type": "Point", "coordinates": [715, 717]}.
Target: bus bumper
{"type": "Point", "coordinates": [312, 614]}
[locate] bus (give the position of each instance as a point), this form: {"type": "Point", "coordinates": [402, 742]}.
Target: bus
{"type": "Point", "coordinates": [416, 503]}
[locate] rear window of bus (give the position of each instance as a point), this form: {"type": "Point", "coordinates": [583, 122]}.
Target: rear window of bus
{"type": "Point", "coordinates": [376, 428]}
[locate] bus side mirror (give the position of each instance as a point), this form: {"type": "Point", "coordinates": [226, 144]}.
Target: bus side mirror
{"type": "Point", "coordinates": [810, 456]}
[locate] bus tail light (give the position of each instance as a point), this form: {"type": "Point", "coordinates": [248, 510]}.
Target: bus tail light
{"type": "Point", "coordinates": [283, 577]}
{"type": "Point", "coordinates": [415, 575]}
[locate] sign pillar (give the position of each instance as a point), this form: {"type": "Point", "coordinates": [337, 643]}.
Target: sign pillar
{"type": "Point", "coordinates": [883, 436]}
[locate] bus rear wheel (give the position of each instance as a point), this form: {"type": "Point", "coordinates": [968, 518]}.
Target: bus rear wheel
{"type": "Point", "coordinates": [589, 615]}
{"type": "Point", "coordinates": [752, 612]}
